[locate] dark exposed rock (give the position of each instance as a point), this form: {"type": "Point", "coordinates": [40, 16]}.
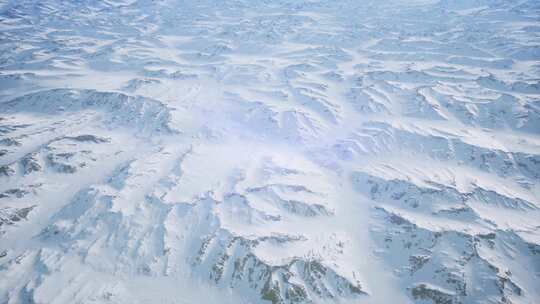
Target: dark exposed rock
{"type": "Point", "coordinates": [55, 161]}
{"type": "Point", "coordinates": [9, 142]}
{"type": "Point", "coordinates": [30, 163]}
{"type": "Point", "coordinates": [7, 170]}
{"type": "Point", "coordinates": [17, 192]}
{"type": "Point", "coordinates": [417, 262]}
{"type": "Point", "coordinates": [88, 138]}
{"type": "Point", "coordinates": [10, 216]}
{"type": "Point", "coordinates": [436, 296]}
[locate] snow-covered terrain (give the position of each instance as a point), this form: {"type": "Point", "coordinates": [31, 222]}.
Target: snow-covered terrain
{"type": "Point", "coordinates": [261, 151]}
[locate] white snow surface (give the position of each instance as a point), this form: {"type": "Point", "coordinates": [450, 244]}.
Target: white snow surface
{"type": "Point", "coordinates": [254, 151]}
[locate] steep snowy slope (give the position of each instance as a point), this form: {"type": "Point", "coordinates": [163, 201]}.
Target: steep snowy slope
{"type": "Point", "coordinates": [249, 151]}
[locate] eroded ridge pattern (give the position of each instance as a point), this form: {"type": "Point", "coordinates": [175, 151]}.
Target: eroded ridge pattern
{"type": "Point", "coordinates": [288, 151]}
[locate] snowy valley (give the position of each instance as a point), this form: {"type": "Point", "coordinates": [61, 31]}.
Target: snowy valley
{"type": "Point", "coordinates": [256, 151]}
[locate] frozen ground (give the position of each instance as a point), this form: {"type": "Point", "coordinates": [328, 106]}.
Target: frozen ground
{"type": "Point", "coordinates": [255, 151]}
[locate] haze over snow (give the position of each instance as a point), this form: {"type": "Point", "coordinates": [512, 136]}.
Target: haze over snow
{"type": "Point", "coordinates": [252, 151]}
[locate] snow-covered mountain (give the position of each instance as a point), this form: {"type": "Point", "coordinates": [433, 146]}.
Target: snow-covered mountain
{"type": "Point", "coordinates": [256, 151]}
